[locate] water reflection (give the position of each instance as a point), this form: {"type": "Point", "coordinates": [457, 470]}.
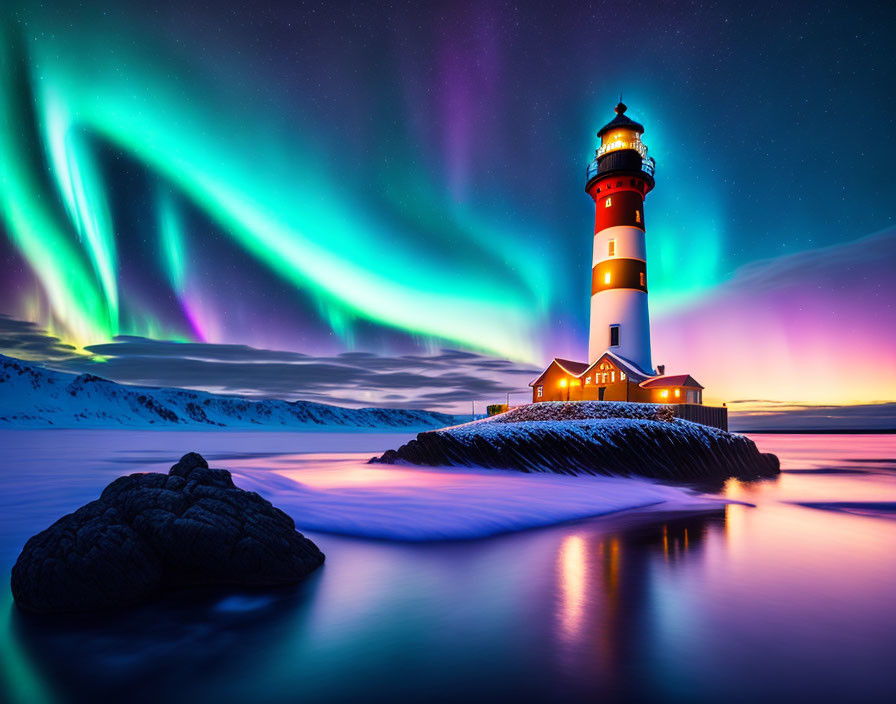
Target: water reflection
{"type": "Point", "coordinates": [768, 602]}
{"type": "Point", "coordinates": [165, 648]}
{"type": "Point", "coordinates": [607, 592]}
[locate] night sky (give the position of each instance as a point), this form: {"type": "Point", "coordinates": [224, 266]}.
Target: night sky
{"type": "Point", "coordinates": [394, 179]}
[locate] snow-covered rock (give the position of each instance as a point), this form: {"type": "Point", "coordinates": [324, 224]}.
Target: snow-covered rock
{"type": "Point", "coordinates": [620, 446]}
{"type": "Point", "coordinates": [32, 396]}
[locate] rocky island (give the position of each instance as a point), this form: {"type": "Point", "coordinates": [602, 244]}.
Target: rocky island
{"type": "Point", "coordinates": [152, 532]}
{"type": "Point", "coordinates": [587, 437]}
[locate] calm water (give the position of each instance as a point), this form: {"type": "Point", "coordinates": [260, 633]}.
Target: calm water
{"type": "Point", "coordinates": [791, 599]}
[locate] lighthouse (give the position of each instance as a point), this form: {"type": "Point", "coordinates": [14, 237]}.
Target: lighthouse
{"type": "Point", "coordinates": [619, 366]}
{"type": "Point", "coordinates": [618, 180]}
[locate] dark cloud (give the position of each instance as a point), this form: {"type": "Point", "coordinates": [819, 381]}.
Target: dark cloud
{"type": "Point", "coordinates": [441, 380]}
{"type": "Point", "coordinates": [19, 338]}
{"type": "Point", "coordinates": [141, 346]}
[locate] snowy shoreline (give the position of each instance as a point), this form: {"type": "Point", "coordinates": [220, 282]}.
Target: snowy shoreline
{"type": "Point", "coordinates": [34, 397]}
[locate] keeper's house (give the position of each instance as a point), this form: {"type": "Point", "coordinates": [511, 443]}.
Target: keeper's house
{"type": "Point", "coordinates": [611, 378]}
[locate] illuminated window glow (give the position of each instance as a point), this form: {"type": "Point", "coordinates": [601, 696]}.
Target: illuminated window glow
{"type": "Point", "coordinates": [587, 379]}
{"type": "Point", "coordinates": [611, 248]}
{"type": "Point", "coordinates": [608, 202]}
{"type": "Point", "coordinates": [643, 279]}
{"type": "Point", "coordinates": [621, 376]}
{"type": "Point", "coordinates": [677, 393]}
{"type": "Point", "coordinates": [621, 142]}
{"type": "Point", "coordinates": [612, 376]}
{"type": "Point", "coordinates": [637, 216]}
{"type": "Point", "coordinates": [539, 391]}
{"type": "Point", "coordinates": [664, 393]}
{"type": "Point", "coordinates": [607, 278]}
{"type": "Point", "coordinates": [562, 383]}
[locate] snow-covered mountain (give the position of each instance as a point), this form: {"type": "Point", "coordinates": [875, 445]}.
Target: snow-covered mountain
{"type": "Point", "coordinates": [32, 396]}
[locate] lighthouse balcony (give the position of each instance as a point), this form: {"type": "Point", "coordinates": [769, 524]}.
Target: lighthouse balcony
{"type": "Point", "coordinates": [624, 160]}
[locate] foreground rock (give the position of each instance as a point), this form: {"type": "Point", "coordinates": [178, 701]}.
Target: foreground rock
{"type": "Point", "coordinates": [652, 444]}
{"type": "Point", "coordinates": [150, 532]}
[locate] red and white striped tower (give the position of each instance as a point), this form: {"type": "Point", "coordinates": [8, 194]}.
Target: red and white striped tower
{"type": "Point", "coordinates": [618, 179]}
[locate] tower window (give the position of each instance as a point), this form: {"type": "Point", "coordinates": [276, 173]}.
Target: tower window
{"type": "Point", "coordinates": [614, 336]}
{"type": "Point", "coordinates": [637, 216]}
{"type": "Point", "coordinates": [607, 278]}
{"type": "Point", "coordinates": [608, 202]}
{"type": "Point", "coordinates": [643, 279]}
{"type": "Point", "coordinates": [539, 391]}
{"type": "Point", "coordinates": [611, 248]}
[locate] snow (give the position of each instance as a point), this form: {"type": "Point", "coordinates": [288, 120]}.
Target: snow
{"type": "Point", "coordinates": [31, 396]}
{"type": "Point", "coordinates": [584, 430]}
{"type": "Point", "coordinates": [581, 410]}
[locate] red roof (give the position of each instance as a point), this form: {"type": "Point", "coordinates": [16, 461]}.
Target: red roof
{"type": "Point", "coordinates": [659, 382]}
{"type": "Point", "coordinates": [629, 368]}
{"type": "Point", "coordinates": [574, 368]}
{"type": "Point", "coordinates": [567, 365]}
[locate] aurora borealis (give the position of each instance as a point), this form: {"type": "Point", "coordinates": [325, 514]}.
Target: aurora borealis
{"type": "Point", "coordinates": [338, 177]}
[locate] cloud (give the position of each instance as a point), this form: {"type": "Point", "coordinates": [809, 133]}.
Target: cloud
{"type": "Point", "coordinates": [446, 380]}
{"type": "Point", "coordinates": [816, 326]}
{"type": "Point", "coordinates": [19, 338]}
{"type": "Point", "coordinates": [871, 416]}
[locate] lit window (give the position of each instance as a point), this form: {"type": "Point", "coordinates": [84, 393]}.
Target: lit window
{"type": "Point", "coordinates": [562, 383]}
{"type": "Point", "coordinates": [539, 391]}
{"type": "Point", "coordinates": [612, 376]}
{"type": "Point", "coordinates": [664, 393]}
{"type": "Point", "coordinates": [637, 216]}
{"type": "Point", "coordinates": [614, 336]}
{"type": "Point", "coordinates": [607, 278]}
{"type": "Point", "coordinates": [611, 248]}
{"type": "Point", "coordinates": [643, 279]}
{"type": "Point", "coordinates": [587, 379]}
{"type": "Point", "coordinates": [608, 202]}
{"type": "Point", "coordinates": [621, 376]}
{"type": "Point", "coordinates": [604, 378]}
{"type": "Point", "coordinates": [677, 393]}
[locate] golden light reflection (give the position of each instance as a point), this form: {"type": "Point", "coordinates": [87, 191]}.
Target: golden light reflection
{"type": "Point", "coordinates": [666, 541]}
{"type": "Point", "coordinates": [572, 570]}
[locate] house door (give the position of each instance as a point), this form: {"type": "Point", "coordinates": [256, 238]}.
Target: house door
{"type": "Point", "coordinates": [600, 392]}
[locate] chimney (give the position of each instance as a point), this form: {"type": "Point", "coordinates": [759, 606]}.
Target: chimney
{"type": "Point", "coordinates": [660, 369]}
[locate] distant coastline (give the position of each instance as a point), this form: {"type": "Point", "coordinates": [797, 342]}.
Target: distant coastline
{"type": "Point", "coordinates": [819, 431]}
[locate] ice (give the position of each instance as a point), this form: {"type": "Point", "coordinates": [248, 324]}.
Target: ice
{"type": "Point", "coordinates": [427, 504]}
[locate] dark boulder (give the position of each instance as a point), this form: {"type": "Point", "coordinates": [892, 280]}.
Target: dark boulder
{"type": "Point", "coordinates": [150, 532]}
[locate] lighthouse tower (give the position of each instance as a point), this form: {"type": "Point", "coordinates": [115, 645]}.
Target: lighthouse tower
{"type": "Point", "coordinates": [618, 180]}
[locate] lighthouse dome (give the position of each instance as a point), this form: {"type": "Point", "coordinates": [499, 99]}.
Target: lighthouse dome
{"type": "Point", "coordinates": [621, 122]}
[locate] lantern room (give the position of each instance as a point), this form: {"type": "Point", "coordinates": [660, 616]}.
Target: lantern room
{"type": "Point", "coordinates": [621, 133]}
